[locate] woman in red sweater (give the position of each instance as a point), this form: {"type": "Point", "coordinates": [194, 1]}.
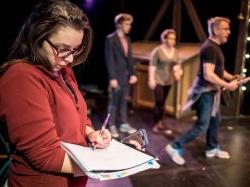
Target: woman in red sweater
{"type": "Point", "coordinates": [40, 102]}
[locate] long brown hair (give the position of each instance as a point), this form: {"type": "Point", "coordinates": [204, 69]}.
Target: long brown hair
{"type": "Point", "coordinates": [44, 20]}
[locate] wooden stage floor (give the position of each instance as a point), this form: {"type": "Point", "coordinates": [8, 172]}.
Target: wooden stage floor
{"type": "Point", "coordinates": [198, 171]}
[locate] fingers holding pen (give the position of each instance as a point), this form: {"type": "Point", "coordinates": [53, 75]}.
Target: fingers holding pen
{"type": "Point", "coordinates": [106, 138]}
{"type": "Point", "coordinates": [100, 139]}
{"type": "Point", "coordinates": [106, 135]}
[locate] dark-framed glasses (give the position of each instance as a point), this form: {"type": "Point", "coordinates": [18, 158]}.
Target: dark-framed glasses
{"type": "Point", "coordinates": [64, 52]}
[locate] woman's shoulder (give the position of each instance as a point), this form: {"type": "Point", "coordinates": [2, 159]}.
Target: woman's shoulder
{"type": "Point", "coordinates": [156, 49]}
{"type": "Point", "coordinates": [21, 70]}
{"type": "Point", "coordinates": [21, 66]}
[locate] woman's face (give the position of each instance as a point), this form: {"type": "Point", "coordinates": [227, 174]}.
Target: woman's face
{"type": "Point", "coordinates": [171, 39]}
{"type": "Point", "coordinates": [61, 46]}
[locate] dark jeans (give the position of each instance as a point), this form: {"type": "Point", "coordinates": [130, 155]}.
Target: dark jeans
{"type": "Point", "coordinates": [160, 94]}
{"type": "Point", "coordinates": [118, 103]}
{"type": "Point", "coordinates": [204, 123]}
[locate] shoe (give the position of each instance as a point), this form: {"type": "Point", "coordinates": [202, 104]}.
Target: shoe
{"type": "Point", "coordinates": [216, 152]}
{"type": "Point", "coordinates": [125, 127]}
{"type": "Point", "coordinates": [175, 154]}
{"type": "Point", "coordinates": [158, 127]}
{"type": "Point", "coordinates": [157, 130]}
{"type": "Point", "coordinates": [114, 132]}
{"type": "Point", "coordinates": [167, 132]}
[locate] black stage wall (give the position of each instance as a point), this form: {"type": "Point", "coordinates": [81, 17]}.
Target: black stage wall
{"type": "Point", "coordinates": [101, 14]}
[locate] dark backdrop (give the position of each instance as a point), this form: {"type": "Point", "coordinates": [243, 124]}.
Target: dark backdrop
{"type": "Point", "coordinates": [101, 14]}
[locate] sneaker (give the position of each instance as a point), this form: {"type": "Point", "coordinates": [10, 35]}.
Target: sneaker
{"type": "Point", "coordinates": [167, 132]}
{"type": "Point", "coordinates": [114, 132]}
{"type": "Point", "coordinates": [156, 130]}
{"type": "Point", "coordinates": [216, 152]}
{"type": "Point", "coordinates": [125, 127]}
{"type": "Point", "coordinates": [175, 154]}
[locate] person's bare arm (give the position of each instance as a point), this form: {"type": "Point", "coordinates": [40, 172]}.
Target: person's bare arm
{"type": "Point", "coordinates": [151, 76]}
{"type": "Point", "coordinates": [209, 75]}
{"type": "Point", "coordinates": [89, 130]}
{"type": "Point", "coordinates": [67, 166]}
{"type": "Point", "coordinates": [228, 76]}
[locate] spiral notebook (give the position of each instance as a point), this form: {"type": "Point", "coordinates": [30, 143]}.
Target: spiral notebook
{"type": "Point", "coordinates": [116, 161]}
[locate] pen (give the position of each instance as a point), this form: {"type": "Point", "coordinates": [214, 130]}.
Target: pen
{"type": "Point", "coordinates": [104, 125]}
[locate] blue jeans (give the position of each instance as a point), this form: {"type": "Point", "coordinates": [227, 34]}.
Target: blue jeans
{"type": "Point", "coordinates": [118, 103]}
{"type": "Point", "coordinates": [204, 123]}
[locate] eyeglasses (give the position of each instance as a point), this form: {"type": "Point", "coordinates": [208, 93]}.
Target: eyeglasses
{"type": "Point", "coordinates": [63, 52]}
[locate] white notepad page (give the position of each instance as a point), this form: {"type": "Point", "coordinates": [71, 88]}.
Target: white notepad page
{"type": "Point", "coordinates": [115, 157]}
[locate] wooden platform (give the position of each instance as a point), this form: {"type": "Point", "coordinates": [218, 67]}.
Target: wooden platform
{"type": "Point", "coordinates": [143, 96]}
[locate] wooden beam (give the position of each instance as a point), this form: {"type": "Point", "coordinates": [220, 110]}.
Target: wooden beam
{"type": "Point", "coordinates": [195, 20]}
{"type": "Point", "coordinates": [157, 19]}
{"type": "Point", "coordinates": [240, 53]}
{"type": "Point", "coordinates": [176, 24]}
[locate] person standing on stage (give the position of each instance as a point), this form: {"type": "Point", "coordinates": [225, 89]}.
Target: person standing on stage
{"type": "Point", "coordinates": [121, 73]}
{"type": "Point", "coordinates": [164, 68]}
{"type": "Point", "coordinates": [205, 94]}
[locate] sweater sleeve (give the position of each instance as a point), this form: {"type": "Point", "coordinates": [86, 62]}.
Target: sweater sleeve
{"type": "Point", "coordinates": [26, 110]}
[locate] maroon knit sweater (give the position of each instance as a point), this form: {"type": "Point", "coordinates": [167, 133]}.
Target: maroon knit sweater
{"type": "Point", "coordinates": [41, 110]}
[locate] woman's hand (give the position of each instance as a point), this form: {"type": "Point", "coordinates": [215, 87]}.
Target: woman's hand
{"type": "Point", "coordinates": [177, 71]}
{"type": "Point", "coordinates": [152, 84]}
{"type": "Point", "coordinates": [100, 139]}
{"type": "Point", "coordinates": [132, 79]}
{"type": "Point", "coordinates": [238, 77]}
